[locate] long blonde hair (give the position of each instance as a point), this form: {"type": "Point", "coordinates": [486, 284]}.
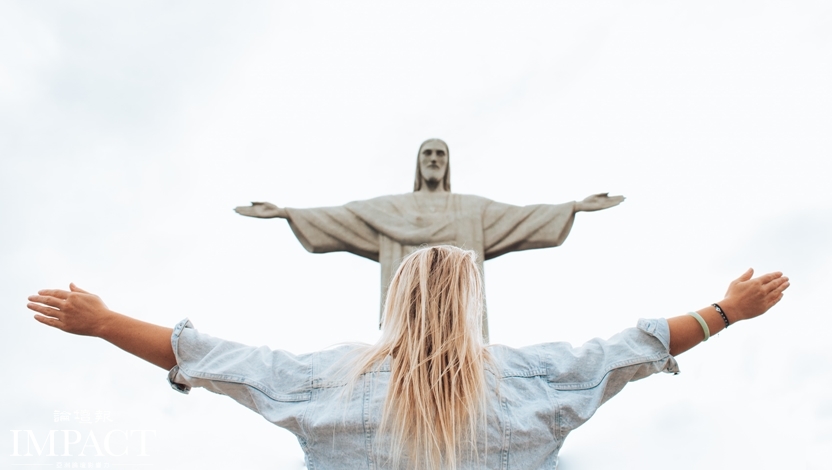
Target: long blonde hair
{"type": "Point", "coordinates": [433, 332]}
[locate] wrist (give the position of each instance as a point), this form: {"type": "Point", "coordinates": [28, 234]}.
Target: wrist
{"type": "Point", "coordinates": [104, 327]}
{"type": "Point", "coordinates": [731, 310]}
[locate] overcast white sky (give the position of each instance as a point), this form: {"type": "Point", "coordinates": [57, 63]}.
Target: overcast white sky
{"type": "Point", "coordinates": [129, 131]}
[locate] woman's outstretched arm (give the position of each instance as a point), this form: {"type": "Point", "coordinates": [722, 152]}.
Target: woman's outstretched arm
{"type": "Point", "coordinates": [79, 312]}
{"type": "Point", "coordinates": [746, 298]}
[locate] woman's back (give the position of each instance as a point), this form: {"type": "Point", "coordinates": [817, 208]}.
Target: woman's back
{"type": "Point", "coordinates": [535, 395]}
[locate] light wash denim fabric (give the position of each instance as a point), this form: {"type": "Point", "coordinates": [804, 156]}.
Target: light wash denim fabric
{"type": "Point", "coordinates": [539, 393]}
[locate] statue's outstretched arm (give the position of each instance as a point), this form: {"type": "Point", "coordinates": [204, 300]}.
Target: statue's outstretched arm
{"type": "Point", "coordinates": [262, 210]}
{"type": "Point", "coordinates": [597, 202]}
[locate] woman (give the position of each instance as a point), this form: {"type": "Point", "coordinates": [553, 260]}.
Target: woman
{"type": "Point", "coordinates": [428, 394]}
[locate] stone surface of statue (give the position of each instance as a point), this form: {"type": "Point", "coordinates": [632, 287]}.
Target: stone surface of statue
{"type": "Point", "coordinates": [388, 228]}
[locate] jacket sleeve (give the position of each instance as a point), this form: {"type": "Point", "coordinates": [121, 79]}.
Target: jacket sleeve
{"type": "Point", "coordinates": [585, 377]}
{"type": "Point", "coordinates": [273, 383]}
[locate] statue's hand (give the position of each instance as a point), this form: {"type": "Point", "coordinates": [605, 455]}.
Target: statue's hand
{"type": "Point", "coordinates": [262, 210]}
{"type": "Point", "coordinates": [598, 202]}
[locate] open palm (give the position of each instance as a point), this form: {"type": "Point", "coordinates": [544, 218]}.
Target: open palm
{"type": "Point", "coordinates": [262, 210]}
{"type": "Point", "coordinates": [598, 202]}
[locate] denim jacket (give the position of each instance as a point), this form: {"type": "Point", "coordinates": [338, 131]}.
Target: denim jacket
{"type": "Point", "coordinates": [538, 394]}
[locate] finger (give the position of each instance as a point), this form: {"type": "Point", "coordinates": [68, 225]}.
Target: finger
{"type": "Point", "coordinates": [743, 277]}
{"type": "Point", "coordinates": [53, 322]}
{"type": "Point", "coordinates": [777, 284]}
{"type": "Point", "coordinates": [775, 300]}
{"type": "Point", "coordinates": [616, 200]}
{"type": "Point", "coordinates": [782, 286]}
{"type": "Point", "coordinates": [766, 278]}
{"type": "Point", "coordinates": [75, 288]}
{"type": "Point", "coordinates": [61, 294]}
{"type": "Point", "coordinates": [777, 293]}
{"type": "Point", "coordinates": [44, 310]}
{"type": "Point", "coordinates": [47, 300]}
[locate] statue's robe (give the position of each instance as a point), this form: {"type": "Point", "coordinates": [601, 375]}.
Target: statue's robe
{"type": "Point", "coordinates": [388, 228]}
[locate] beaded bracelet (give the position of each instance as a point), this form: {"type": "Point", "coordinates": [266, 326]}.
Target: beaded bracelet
{"type": "Point", "coordinates": [702, 323]}
{"type": "Point", "coordinates": [721, 313]}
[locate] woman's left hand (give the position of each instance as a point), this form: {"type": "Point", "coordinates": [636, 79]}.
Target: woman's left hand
{"type": "Point", "coordinates": [748, 298]}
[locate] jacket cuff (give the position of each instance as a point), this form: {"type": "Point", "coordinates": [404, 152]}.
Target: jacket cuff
{"type": "Point", "coordinates": [176, 383]}
{"type": "Point", "coordinates": [660, 330]}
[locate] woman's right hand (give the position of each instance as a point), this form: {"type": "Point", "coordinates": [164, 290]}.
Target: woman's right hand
{"type": "Point", "coordinates": [75, 311]}
{"type": "Point", "coordinates": [82, 313]}
{"type": "Point", "coordinates": [261, 210]}
{"type": "Point", "coordinates": [747, 298]}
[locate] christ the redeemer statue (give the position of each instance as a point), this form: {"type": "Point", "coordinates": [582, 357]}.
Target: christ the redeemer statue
{"type": "Point", "coordinates": [388, 228]}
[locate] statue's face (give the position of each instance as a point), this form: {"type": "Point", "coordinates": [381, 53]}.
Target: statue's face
{"type": "Point", "coordinates": [433, 161]}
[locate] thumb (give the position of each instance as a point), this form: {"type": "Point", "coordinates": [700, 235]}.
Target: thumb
{"type": "Point", "coordinates": [746, 275]}
{"type": "Point", "coordinates": [75, 288]}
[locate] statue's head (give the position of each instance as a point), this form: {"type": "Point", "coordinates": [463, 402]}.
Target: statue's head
{"type": "Point", "coordinates": [433, 165]}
